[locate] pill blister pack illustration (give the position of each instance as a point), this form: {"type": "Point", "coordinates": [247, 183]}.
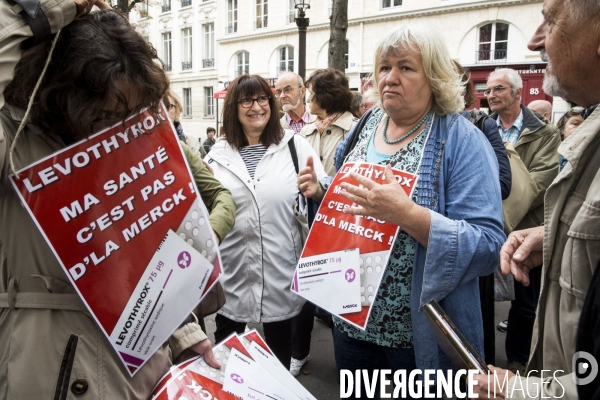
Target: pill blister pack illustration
{"type": "Point", "coordinates": [221, 353]}
{"type": "Point", "coordinates": [195, 230]}
{"type": "Point", "coordinates": [372, 266]}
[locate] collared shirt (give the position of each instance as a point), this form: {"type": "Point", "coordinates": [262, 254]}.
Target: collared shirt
{"type": "Point", "coordinates": [511, 134]}
{"type": "Point", "coordinates": [298, 125]}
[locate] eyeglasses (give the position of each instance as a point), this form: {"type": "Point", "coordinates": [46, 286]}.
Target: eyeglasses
{"type": "Point", "coordinates": [287, 90]}
{"type": "Point", "coordinates": [495, 89]}
{"type": "Point", "coordinates": [249, 102]}
{"type": "Point", "coordinates": [170, 105]}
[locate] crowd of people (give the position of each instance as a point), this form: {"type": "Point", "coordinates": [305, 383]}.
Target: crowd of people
{"type": "Point", "coordinates": [509, 191]}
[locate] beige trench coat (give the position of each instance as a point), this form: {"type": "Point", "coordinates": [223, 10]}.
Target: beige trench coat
{"type": "Point", "coordinates": [333, 135]}
{"type": "Point", "coordinates": [50, 346]}
{"type": "Point", "coordinates": [571, 253]}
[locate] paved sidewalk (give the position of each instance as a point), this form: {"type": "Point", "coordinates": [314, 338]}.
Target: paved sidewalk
{"type": "Point", "coordinates": [319, 375]}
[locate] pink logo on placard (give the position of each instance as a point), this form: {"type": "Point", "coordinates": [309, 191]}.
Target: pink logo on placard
{"type": "Point", "coordinates": [236, 378]}
{"type": "Point", "coordinates": [184, 260]}
{"type": "Point", "coordinates": [350, 275]}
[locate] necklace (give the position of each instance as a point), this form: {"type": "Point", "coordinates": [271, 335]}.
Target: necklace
{"type": "Point", "coordinates": [401, 138]}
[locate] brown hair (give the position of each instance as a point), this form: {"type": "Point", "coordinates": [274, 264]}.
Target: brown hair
{"type": "Point", "coordinates": [562, 122]}
{"type": "Point", "coordinates": [249, 86]}
{"type": "Point", "coordinates": [469, 94]}
{"type": "Point", "coordinates": [94, 56]}
{"type": "Point", "coordinates": [331, 91]}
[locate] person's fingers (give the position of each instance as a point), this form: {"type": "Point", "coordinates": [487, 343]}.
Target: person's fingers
{"type": "Point", "coordinates": [355, 210]}
{"type": "Point", "coordinates": [209, 357]}
{"type": "Point", "coordinates": [531, 240]}
{"type": "Point", "coordinates": [310, 162]}
{"type": "Point", "coordinates": [389, 175]}
{"type": "Point", "coordinates": [366, 182]}
{"type": "Point", "coordinates": [506, 253]}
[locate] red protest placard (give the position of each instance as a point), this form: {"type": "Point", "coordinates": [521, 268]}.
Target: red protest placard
{"type": "Point", "coordinates": [121, 212]}
{"type": "Point", "coordinates": [323, 274]}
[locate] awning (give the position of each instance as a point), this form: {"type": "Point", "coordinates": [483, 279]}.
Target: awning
{"type": "Point", "coordinates": [220, 94]}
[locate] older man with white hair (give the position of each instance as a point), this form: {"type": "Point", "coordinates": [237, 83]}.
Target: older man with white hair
{"type": "Point", "coordinates": [536, 141]}
{"type": "Point", "coordinates": [290, 90]}
{"type": "Point", "coordinates": [562, 362]}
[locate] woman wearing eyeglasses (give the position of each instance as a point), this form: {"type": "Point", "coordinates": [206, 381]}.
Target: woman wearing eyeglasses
{"type": "Point", "coordinates": [261, 252]}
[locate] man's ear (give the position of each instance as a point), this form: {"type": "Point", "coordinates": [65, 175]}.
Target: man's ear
{"type": "Point", "coordinates": [518, 93]}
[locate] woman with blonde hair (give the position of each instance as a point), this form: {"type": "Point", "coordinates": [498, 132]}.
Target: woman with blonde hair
{"type": "Point", "coordinates": [451, 225]}
{"type": "Point", "coordinates": [173, 104]}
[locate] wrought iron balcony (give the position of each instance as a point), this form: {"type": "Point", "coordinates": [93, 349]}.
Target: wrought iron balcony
{"type": "Point", "coordinates": [186, 65]}
{"type": "Point", "coordinates": [166, 7]}
{"type": "Point", "coordinates": [186, 3]}
{"type": "Point", "coordinates": [208, 63]}
{"type": "Point", "coordinates": [231, 28]}
{"type": "Point", "coordinates": [168, 67]}
{"type": "Point", "coordinates": [490, 56]}
{"type": "Point", "coordinates": [261, 22]}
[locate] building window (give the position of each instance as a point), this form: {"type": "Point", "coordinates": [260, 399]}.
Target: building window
{"type": "Point", "coordinates": [209, 105]}
{"type": "Point", "coordinates": [390, 3]}
{"type": "Point", "coordinates": [346, 50]}
{"type": "Point", "coordinates": [291, 12]}
{"type": "Point", "coordinates": [493, 42]}
{"type": "Point", "coordinates": [208, 61]}
{"type": "Point", "coordinates": [186, 52]}
{"type": "Point", "coordinates": [262, 13]}
{"type": "Point", "coordinates": [232, 7]}
{"type": "Point", "coordinates": [167, 51]}
{"type": "Point", "coordinates": [286, 59]}
{"type": "Point", "coordinates": [142, 8]}
{"type": "Point", "coordinates": [187, 102]}
{"type": "Point", "coordinates": [186, 3]}
{"type": "Point", "coordinates": [243, 63]}
{"type": "Point", "coordinates": [166, 5]}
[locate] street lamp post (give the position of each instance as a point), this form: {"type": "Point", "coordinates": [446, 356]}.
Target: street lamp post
{"type": "Point", "coordinates": [302, 23]}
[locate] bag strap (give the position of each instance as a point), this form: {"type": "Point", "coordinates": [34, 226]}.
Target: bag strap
{"type": "Point", "coordinates": [356, 133]}
{"type": "Point", "coordinates": [310, 211]}
{"type": "Point", "coordinates": [294, 153]}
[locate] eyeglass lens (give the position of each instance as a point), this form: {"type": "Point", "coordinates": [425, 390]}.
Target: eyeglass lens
{"type": "Point", "coordinates": [286, 90]}
{"type": "Point", "coordinates": [495, 89]}
{"type": "Point", "coordinates": [248, 102]}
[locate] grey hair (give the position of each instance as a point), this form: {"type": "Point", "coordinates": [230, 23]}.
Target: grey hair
{"type": "Point", "coordinates": [513, 76]}
{"type": "Point", "coordinates": [582, 10]}
{"type": "Point", "coordinates": [300, 80]}
{"type": "Point", "coordinates": [444, 80]}
{"type": "Point", "coordinates": [357, 100]}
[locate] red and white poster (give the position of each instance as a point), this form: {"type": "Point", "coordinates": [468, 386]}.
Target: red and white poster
{"type": "Point", "coordinates": [121, 212]}
{"type": "Point", "coordinates": [249, 371]}
{"type": "Point", "coordinates": [345, 255]}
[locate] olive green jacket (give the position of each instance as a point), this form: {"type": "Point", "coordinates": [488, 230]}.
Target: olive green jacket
{"type": "Point", "coordinates": [538, 148]}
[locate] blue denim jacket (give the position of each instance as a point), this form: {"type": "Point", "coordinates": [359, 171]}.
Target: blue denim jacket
{"type": "Point", "coordinates": [465, 236]}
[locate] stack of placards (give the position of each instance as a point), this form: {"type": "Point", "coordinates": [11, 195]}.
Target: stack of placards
{"type": "Point", "coordinates": [345, 255]}
{"type": "Point", "coordinates": [249, 370]}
